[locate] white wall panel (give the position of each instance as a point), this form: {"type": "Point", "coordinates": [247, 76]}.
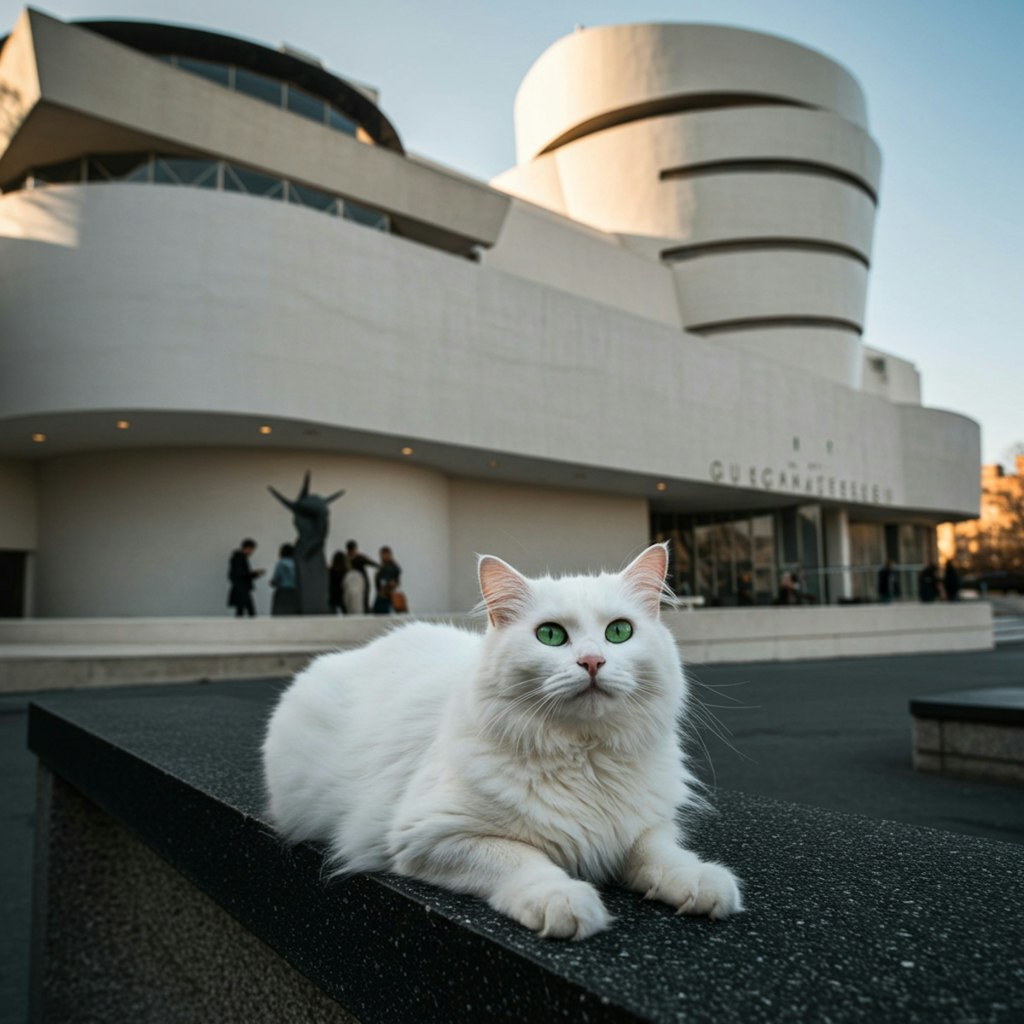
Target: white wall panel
{"type": "Point", "coordinates": [150, 532]}
{"type": "Point", "coordinates": [540, 530]}
{"type": "Point", "coordinates": [18, 507]}
{"type": "Point", "coordinates": [727, 287]}
{"type": "Point", "coordinates": [174, 299]}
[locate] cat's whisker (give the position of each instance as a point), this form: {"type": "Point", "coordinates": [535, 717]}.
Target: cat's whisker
{"type": "Point", "coordinates": [703, 716]}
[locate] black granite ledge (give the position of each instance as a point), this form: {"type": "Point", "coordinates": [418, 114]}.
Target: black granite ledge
{"type": "Point", "coordinates": [850, 919]}
{"type": "Point", "coordinates": [1003, 705]}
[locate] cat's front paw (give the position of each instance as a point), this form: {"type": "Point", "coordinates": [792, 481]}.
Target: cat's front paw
{"type": "Point", "coordinates": [569, 909]}
{"type": "Point", "coordinates": [697, 887]}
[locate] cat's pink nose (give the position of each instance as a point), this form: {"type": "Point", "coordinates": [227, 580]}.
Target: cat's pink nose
{"type": "Point", "coordinates": [591, 662]}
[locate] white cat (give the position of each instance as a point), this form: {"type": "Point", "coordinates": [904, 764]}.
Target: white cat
{"type": "Point", "coordinates": [520, 766]}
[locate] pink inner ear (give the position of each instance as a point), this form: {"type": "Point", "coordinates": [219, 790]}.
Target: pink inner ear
{"type": "Point", "coordinates": [646, 575]}
{"type": "Point", "coordinates": [504, 590]}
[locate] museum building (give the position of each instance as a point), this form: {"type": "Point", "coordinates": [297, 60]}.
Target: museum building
{"type": "Point", "coordinates": [219, 268]}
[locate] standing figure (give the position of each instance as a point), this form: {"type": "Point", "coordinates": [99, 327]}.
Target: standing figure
{"type": "Point", "coordinates": [356, 583]}
{"type": "Point", "coordinates": [888, 583]}
{"type": "Point", "coordinates": [335, 580]}
{"type": "Point", "coordinates": [285, 583]}
{"type": "Point", "coordinates": [311, 519]}
{"type": "Point", "coordinates": [951, 581]}
{"type": "Point", "coordinates": [242, 577]}
{"type": "Point", "coordinates": [928, 583]}
{"type": "Point", "coordinates": [388, 576]}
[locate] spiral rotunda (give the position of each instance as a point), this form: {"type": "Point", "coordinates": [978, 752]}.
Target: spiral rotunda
{"type": "Point", "coordinates": [741, 160]}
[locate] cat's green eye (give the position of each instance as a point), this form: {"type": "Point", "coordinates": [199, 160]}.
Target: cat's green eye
{"type": "Point", "coordinates": [618, 632]}
{"type": "Point", "coordinates": [552, 634]}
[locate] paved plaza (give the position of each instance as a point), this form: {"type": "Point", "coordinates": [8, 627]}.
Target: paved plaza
{"type": "Point", "coordinates": [832, 734]}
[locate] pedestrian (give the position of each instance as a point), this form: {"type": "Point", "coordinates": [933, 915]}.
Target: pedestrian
{"type": "Point", "coordinates": [388, 576]}
{"type": "Point", "coordinates": [285, 583]}
{"type": "Point", "coordinates": [888, 583]}
{"type": "Point", "coordinates": [951, 581]}
{"type": "Point", "coordinates": [789, 587]}
{"type": "Point", "coordinates": [243, 578]}
{"type": "Point", "coordinates": [928, 583]}
{"type": "Point", "coordinates": [356, 584]}
{"type": "Point", "coordinates": [335, 583]}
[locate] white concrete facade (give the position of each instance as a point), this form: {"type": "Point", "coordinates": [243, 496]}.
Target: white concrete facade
{"type": "Point", "coordinates": [599, 339]}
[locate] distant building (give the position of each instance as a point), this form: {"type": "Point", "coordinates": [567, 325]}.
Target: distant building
{"type": "Point", "coordinates": [219, 268]}
{"type": "Point", "coordinates": [994, 542]}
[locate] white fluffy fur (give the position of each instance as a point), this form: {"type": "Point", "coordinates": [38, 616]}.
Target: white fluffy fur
{"type": "Point", "coordinates": [493, 765]}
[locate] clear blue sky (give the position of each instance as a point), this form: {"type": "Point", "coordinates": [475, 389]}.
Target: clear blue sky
{"type": "Point", "coordinates": [944, 81]}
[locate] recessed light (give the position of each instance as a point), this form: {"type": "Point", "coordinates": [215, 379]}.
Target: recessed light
{"type": "Point", "coordinates": [493, 463]}
{"type": "Point", "coordinates": [123, 424]}
{"type": "Point", "coordinates": [266, 430]}
{"type": "Point", "coordinates": [407, 451]}
{"type": "Point", "coordinates": [661, 485]}
{"type": "Point", "coordinates": [39, 438]}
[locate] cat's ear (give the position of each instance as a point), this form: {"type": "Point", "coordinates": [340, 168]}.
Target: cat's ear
{"type": "Point", "coordinates": [645, 576]}
{"type": "Point", "coordinates": [504, 590]}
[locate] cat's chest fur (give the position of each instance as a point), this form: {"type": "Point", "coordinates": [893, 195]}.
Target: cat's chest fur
{"type": "Point", "coordinates": [582, 805]}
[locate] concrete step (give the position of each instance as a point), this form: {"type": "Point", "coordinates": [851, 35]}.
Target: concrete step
{"type": "Point", "coordinates": [69, 667]}
{"type": "Point", "coordinates": [1008, 629]}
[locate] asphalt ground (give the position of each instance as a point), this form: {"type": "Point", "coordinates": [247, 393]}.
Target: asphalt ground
{"type": "Point", "coordinates": [832, 734]}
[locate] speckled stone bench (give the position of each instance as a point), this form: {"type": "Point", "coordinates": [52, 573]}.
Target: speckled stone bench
{"type": "Point", "coordinates": [161, 895]}
{"type": "Point", "coordinates": [975, 734]}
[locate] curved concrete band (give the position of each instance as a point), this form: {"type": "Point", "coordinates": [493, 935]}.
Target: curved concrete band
{"type": "Point", "coordinates": [721, 151]}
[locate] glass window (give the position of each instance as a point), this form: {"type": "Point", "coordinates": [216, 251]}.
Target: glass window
{"type": "Point", "coordinates": [742, 550]}
{"type": "Point", "coordinates": [762, 535]}
{"type": "Point", "coordinates": [707, 583]}
{"type": "Point", "coordinates": [56, 174]}
{"type": "Point", "coordinates": [302, 103]}
{"type": "Point", "coordinates": [302, 195]}
{"type": "Point", "coordinates": [240, 179]}
{"type": "Point", "coordinates": [810, 549]}
{"type": "Point", "coordinates": [219, 73]}
{"type": "Point", "coordinates": [120, 167]}
{"type": "Point", "coordinates": [253, 84]}
{"type": "Point", "coordinates": [339, 122]}
{"type": "Point", "coordinates": [682, 557]}
{"type": "Point", "coordinates": [913, 546]}
{"type": "Point", "coordinates": [181, 171]}
{"type": "Point", "coordinates": [790, 537]}
{"type": "Point", "coordinates": [867, 554]}
{"type": "Point", "coordinates": [365, 216]}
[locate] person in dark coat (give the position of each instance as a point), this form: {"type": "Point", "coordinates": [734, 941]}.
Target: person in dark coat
{"type": "Point", "coordinates": [335, 578]}
{"type": "Point", "coordinates": [389, 576]}
{"type": "Point", "coordinates": [951, 581]}
{"type": "Point", "coordinates": [928, 583]}
{"type": "Point", "coordinates": [888, 582]}
{"type": "Point", "coordinates": [357, 599]}
{"type": "Point", "coordinates": [243, 578]}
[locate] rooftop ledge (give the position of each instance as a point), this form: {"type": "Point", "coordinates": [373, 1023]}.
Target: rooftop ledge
{"type": "Point", "coordinates": [850, 918]}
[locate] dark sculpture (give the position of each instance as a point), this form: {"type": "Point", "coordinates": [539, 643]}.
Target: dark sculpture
{"type": "Point", "coordinates": [311, 520]}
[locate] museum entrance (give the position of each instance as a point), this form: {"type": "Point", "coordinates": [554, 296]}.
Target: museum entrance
{"type": "Point", "coordinates": [12, 584]}
{"type": "Point", "coordinates": [742, 560]}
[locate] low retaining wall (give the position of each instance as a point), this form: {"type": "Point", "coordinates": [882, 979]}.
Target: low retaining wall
{"type": "Point", "coordinates": [38, 654]}
{"type": "Point", "coordinates": [162, 895]}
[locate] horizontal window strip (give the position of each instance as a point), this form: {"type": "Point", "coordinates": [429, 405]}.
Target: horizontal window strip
{"type": "Point", "coordinates": [774, 322]}
{"type": "Point", "coordinates": [668, 105]}
{"type": "Point", "coordinates": [811, 167]}
{"type": "Point", "coordinates": [679, 254]}
{"type": "Point", "coordinates": [196, 172]}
